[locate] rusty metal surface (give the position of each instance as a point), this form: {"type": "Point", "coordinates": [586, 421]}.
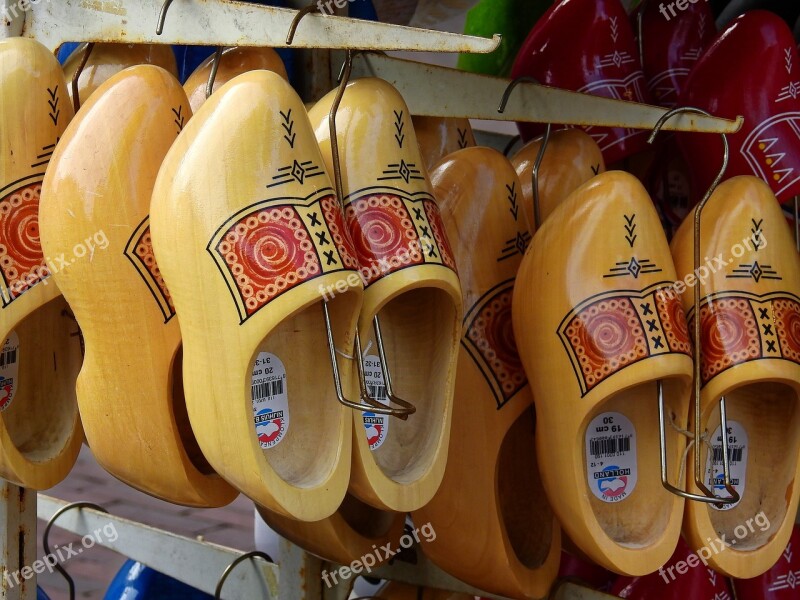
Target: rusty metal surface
{"type": "Point", "coordinates": [218, 22]}
{"type": "Point", "coordinates": [428, 90]}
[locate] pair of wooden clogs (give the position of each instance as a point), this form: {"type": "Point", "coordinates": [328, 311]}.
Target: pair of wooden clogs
{"type": "Point", "coordinates": [599, 316]}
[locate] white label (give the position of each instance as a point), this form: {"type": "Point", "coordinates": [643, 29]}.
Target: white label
{"type": "Point", "coordinates": [611, 457]}
{"type": "Point", "coordinates": [737, 455]}
{"type": "Point", "coordinates": [376, 426]}
{"type": "Point", "coordinates": [270, 400]}
{"type": "Point", "coordinates": [9, 365]}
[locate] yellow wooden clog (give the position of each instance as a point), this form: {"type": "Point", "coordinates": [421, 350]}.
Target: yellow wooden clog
{"type": "Point", "coordinates": [248, 235]}
{"type": "Point", "coordinates": [352, 532]}
{"type": "Point", "coordinates": [571, 158]}
{"type": "Point", "coordinates": [595, 337]}
{"type": "Point", "coordinates": [494, 526]}
{"type": "Point", "coordinates": [233, 62]}
{"type": "Point", "coordinates": [438, 137]}
{"type": "Point", "coordinates": [40, 432]}
{"type": "Point", "coordinates": [411, 285]}
{"type": "Point", "coordinates": [107, 60]}
{"type": "Point", "coordinates": [750, 335]}
{"type": "Point", "coordinates": [99, 185]}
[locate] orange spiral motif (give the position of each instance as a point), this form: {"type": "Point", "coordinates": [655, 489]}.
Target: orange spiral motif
{"type": "Point", "coordinates": [21, 258]}
{"type": "Point", "coordinates": [673, 320]}
{"type": "Point", "coordinates": [787, 320]}
{"type": "Point", "coordinates": [729, 335]}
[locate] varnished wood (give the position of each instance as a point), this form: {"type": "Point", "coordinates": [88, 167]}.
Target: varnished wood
{"type": "Point", "coordinates": [98, 187]}
{"type": "Point", "coordinates": [571, 159]}
{"type": "Point", "coordinates": [415, 291]}
{"type": "Point", "coordinates": [438, 137]}
{"type": "Point", "coordinates": [40, 432]}
{"type": "Point", "coordinates": [743, 224]}
{"type": "Point", "coordinates": [107, 60]}
{"type": "Point", "coordinates": [233, 62]}
{"type": "Point", "coordinates": [589, 349]}
{"type": "Point", "coordinates": [352, 532]}
{"type": "Point", "coordinates": [494, 527]}
{"type": "Point", "coordinates": [237, 206]}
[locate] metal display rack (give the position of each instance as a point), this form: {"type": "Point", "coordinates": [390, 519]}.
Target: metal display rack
{"type": "Point", "coordinates": [198, 563]}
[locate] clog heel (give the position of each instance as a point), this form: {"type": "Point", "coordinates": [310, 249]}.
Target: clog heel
{"type": "Point", "coordinates": [248, 235]}
{"type": "Point", "coordinates": [40, 432]}
{"type": "Point", "coordinates": [750, 339]}
{"type": "Point", "coordinates": [494, 526]}
{"type": "Point", "coordinates": [440, 136]}
{"type": "Point", "coordinates": [595, 349]}
{"type": "Point", "coordinates": [98, 189]}
{"type": "Point", "coordinates": [411, 286]}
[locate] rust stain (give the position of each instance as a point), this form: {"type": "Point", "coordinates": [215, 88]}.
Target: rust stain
{"type": "Point", "coordinates": [111, 7]}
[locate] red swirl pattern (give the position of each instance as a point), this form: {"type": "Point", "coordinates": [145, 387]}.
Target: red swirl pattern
{"type": "Point", "coordinates": [492, 334]}
{"type": "Point", "coordinates": [673, 322]}
{"type": "Point", "coordinates": [787, 324]}
{"type": "Point", "coordinates": [341, 237]}
{"type": "Point", "coordinates": [268, 252]}
{"type": "Point", "coordinates": [144, 251]}
{"type": "Point", "coordinates": [383, 234]}
{"type": "Point", "coordinates": [606, 336]}
{"type": "Point", "coordinates": [439, 234]}
{"type": "Point", "coordinates": [21, 258]}
{"type": "Point", "coordinates": [729, 335]}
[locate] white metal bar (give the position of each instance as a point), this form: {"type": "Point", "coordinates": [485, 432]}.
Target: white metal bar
{"type": "Point", "coordinates": [199, 564]}
{"type": "Point", "coordinates": [218, 22]}
{"type": "Point", "coordinates": [429, 91]}
{"type": "Point", "coordinates": [17, 542]}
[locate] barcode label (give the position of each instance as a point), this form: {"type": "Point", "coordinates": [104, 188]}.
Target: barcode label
{"type": "Point", "coordinates": [267, 390]}
{"type": "Point", "coordinates": [609, 446]}
{"type": "Point", "coordinates": [734, 454]}
{"type": "Point", "coordinates": [8, 357]}
{"type": "Point", "coordinates": [378, 392]}
{"type": "Point", "coordinates": [376, 425]}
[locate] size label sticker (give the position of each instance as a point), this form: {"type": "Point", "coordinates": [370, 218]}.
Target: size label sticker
{"type": "Point", "coordinates": [737, 458]}
{"type": "Point", "coordinates": [270, 400]}
{"type": "Point", "coordinates": [9, 366]}
{"type": "Point", "coordinates": [611, 457]}
{"type": "Point", "coordinates": [377, 426]}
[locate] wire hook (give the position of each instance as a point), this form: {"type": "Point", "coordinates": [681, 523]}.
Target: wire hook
{"type": "Point", "coordinates": [46, 539]}
{"type": "Point", "coordinates": [76, 101]}
{"type": "Point", "coordinates": [162, 16]}
{"type": "Point", "coordinates": [709, 495]}
{"type": "Point", "coordinates": [232, 566]}
{"type": "Point", "coordinates": [212, 76]}
{"type": "Point", "coordinates": [311, 8]}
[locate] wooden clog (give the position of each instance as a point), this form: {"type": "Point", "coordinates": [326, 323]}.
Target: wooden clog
{"type": "Point", "coordinates": [750, 69]}
{"type": "Point", "coordinates": [352, 532]}
{"type": "Point", "coordinates": [40, 432]}
{"type": "Point", "coordinates": [411, 284]}
{"type": "Point", "coordinates": [107, 60]}
{"type": "Point", "coordinates": [233, 62]}
{"type": "Point", "coordinates": [750, 335]}
{"type": "Point", "coordinates": [438, 137]}
{"type": "Point", "coordinates": [494, 527]}
{"type": "Point", "coordinates": [248, 236]}
{"type": "Point", "coordinates": [594, 347]}
{"type": "Point", "coordinates": [100, 182]}
{"type": "Point", "coordinates": [587, 46]}
{"type": "Point", "coordinates": [571, 158]}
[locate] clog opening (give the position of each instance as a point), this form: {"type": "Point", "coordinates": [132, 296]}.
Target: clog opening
{"type": "Point", "coordinates": [304, 444]}
{"type": "Point", "coordinates": [181, 416]}
{"type": "Point", "coordinates": [767, 414]}
{"type": "Point", "coordinates": [42, 415]}
{"type": "Point", "coordinates": [635, 508]}
{"type": "Point", "coordinates": [526, 513]}
{"type": "Point", "coordinates": [364, 519]}
{"type": "Point", "coordinates": [418, 329]}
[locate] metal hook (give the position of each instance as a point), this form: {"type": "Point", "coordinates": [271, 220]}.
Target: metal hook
{"type": "Point", "coordinates": [406, 407]}
{"type": "Point", "coordinates": [162, 16]}
{"type": "Point", "coordinates": [510, 145]}
{"type": "Point", "coordinates": [76, 101]}
{"type": "Point", "coordinates": [46, 539]}
{"type": "Point", "coordinates": [232, 566]}
{"type": "Point", "coordinates": [214, 68]}
{"type": "Point", "coordinates": [537, 218]}
{"type": "Point", "coordinates": [709, 495]}
{"type": "Point", "coordinates": [311, 8]}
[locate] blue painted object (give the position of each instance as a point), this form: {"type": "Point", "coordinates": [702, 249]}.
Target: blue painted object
{"type": "Point", "coordinates": [40, 595]}
{"type": "Point", "coordinates": [135, 581]}
{"type": "Point", "coordinates": [363, 9]}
